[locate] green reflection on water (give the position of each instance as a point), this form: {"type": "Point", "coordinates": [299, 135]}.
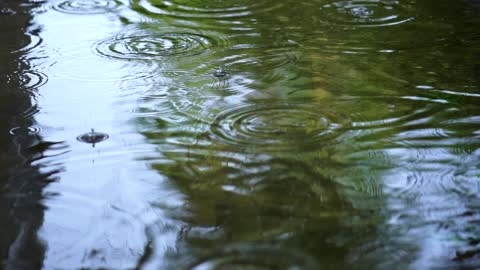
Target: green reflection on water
{"type": "Point", "coordinates": [334, 132]}
{"type": "Point", "coordinates": [301, 134]}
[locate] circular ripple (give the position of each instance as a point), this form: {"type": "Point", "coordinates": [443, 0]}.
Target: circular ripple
{"type": "Point", "coordinates": [255, 257]}
{"type": "Point", "coordinates": [352, 46]}
{"type": "Point", "coordinates": [27, 79]}
{"type": "Point", "coordinates": [266, 59]}
{"type": "Point", "coordinates": [366, 13]}
{"type": "Point", "coordinates": [30, 111]}
{"type": "Point", "coordinates": [204, 9]}
{"type": "Point", "coordinates": [29, 43]}
{"type": "Point", "coordinates": [33, 130]}
{"type": "Point", "coordinates": [278, 125]}
{"type": "Point", "coordinates": [147, 45]}
{"type": "Point", "coordinates": [86, 6]}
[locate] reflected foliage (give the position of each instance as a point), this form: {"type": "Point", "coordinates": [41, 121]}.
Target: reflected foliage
{"type": "Point", "coordinates": [316, 134]}
{"type": "Point", "coordinates": [339, 131]}
{"type": "Point", "coordinates": [22, 177]}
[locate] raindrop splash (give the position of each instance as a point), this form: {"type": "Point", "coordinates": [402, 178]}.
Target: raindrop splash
{"type": "Point", "coordinates": [93, 137]}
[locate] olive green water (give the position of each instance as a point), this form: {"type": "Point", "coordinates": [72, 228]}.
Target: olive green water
{"type": "Point", "coordinates": [240, 134]}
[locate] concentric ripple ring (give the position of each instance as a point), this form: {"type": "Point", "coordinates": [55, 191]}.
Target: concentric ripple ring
{"type": "Point", "coordinates": [204, 9]}
{"type": "Point", "coordinates": [280, 125]}
{"type": "Point", "coordinates": [33, 130]}
{"type": "Point", "coordinates": [86, 7]}
{"type": "Point", "coordinates": [148, 45]}
{"type": "Point", "coordinates": [27, 79]}
{"type": "Point", "coordinates": [367, 13]}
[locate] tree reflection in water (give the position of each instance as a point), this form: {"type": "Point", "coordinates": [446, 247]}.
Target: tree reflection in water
{"type": "Point", "coordinates": [23, 173]}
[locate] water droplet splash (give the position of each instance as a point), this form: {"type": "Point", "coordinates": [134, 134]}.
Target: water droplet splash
{"type": "Point", "coordinates": [93, 137]}
{"type": "Point", "coordinates": [220, 73]}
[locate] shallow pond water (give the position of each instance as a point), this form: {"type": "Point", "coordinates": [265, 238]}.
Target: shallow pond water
{"type": "Point", "coordinates": [201, 135]}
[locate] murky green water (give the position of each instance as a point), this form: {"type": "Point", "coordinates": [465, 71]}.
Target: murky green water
{"type": "Point", "coordinates": [240, 134]}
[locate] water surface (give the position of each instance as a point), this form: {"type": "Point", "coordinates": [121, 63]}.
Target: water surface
{"type": "Point", "coordinates": [188, 134]}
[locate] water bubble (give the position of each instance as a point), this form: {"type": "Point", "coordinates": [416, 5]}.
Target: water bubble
{"type": "Point", "coordinates": [86, 7]}
{"type": "Point", "coordinates": [278, 125]}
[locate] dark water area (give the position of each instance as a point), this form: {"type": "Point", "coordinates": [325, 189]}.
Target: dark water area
{"type": "Point", "coordinates": [201, 135]}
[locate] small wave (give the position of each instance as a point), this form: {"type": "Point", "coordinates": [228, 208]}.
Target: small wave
{"type": "Point", "coordinates": [255, 257]}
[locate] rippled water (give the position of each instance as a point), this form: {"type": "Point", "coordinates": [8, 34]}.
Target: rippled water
{"type": "Point", "coordinates": [201, 135]}
{"type": "Point", "coordinates": [86, 7]}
